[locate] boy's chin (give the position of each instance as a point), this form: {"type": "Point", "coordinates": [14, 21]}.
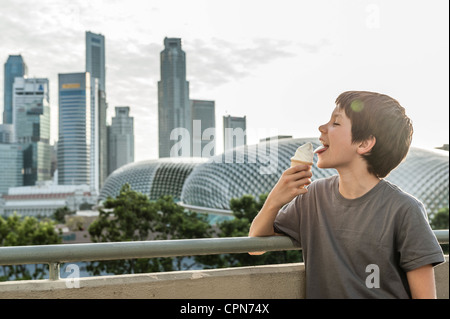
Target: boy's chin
{"type": "Point", "coordinates": [321, 164]}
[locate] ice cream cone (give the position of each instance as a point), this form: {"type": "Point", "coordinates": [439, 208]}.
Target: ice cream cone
{"type": "Point", "coordinates": [303, 155]}
{"type": "Point", "coordinates": [295, 163]}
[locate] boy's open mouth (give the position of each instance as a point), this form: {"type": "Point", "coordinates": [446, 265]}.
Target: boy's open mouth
{"type": "Point", "coordinates": [321, 149]}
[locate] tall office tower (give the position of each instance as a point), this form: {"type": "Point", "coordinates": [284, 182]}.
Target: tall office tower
{"type": "Point", "coordinates": [74, 142]}
{"type": "Point", "coordinates": [121, 139]}
{"type": "Point", "coordinates": [31, 118]}
{"type": "Point", "coordinates": [14, 66]}
{"type": "Point", "coordinates": [11, 162]}
{"type": "Point", "coordinates": [94, 158]}
{"type": "Point", "coordinates": [95, 65]}
{"type": "Point", "coordinates": [102, 139]}
{"type": "Point", "coordinates": [173, 97]}
{"type": "Point", "coordinates": [203, 128]}
{"type": "Point", "coordinates": [6, 133]}
{"type": "Point", "coordinates": [95, 57]}
{"type": "Point", "coordinates": [234, 134]}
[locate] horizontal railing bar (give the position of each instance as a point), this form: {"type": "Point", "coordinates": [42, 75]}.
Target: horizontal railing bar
{"type": "Point", "coordinates": [62, 253]}
{"type": "Point", "coordinates": [441, 235]}
{"type": "Point", "coordinates": [44, 254]}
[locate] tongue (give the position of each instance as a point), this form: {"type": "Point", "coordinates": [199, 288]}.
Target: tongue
{"type": "Point", "coordinates": [321, 149]}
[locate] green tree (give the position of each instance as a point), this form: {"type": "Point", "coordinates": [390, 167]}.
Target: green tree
{"type": "Point", "coordinates": [60, 213]}
{"type": "Point", "coordinates": [17, 231]}
{"type": "Point", "coordinates": [440, 219]}
{"type": "Point", "coordinates": [131, 216]}
{"type": "Point", "coordinates": [128, 217]}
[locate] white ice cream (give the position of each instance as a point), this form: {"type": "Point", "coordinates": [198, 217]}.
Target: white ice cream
{"type": "Point", "coordinates": [304, 153]}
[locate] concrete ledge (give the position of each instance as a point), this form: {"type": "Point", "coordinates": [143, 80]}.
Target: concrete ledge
{"type": "Point", "coordinates": [286, 281]}
{"type": "Point", "coordinates": [265, 282]}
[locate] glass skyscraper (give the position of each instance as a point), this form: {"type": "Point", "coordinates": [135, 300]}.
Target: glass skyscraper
{"type": "Point", "coordinates": [31, 118]}
{"type": "Point", "coordinates": [203, 128]}
{"type": "Point", "coordinates": [74, 142]}
{"type": "Point", "coordinates": [14, 67]}
{"type": "Point", "coordinates": [11, 164]}
{"type": "Point", "coordinates": [121, 139]}
{"type": "Point", "coordinates": [174, 109]}
{"type": "Point", "coordinates": [95, 65]}
{"type": "Point", "coordinates": [6, 133]}
{"type": "Point", "coordinates": [95, 57]}
{"type": "Point", "coordinates": [234, 128]}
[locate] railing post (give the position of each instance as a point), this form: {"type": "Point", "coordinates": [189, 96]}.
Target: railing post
{"type": "Point", "coordinates": [53, 273]}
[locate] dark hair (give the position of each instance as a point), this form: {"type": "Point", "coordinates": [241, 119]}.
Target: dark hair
{"type": "Point", "coordinates": [380, 116]}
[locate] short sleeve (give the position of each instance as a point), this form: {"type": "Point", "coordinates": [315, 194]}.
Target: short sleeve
{"type": "Point", "coordinates": [288, 220]}
{"type": "Point", "coordinates": [416, 243]}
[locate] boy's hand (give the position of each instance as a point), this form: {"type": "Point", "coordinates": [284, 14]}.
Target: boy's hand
{"type": "Point", "coordinates": [290, 185]}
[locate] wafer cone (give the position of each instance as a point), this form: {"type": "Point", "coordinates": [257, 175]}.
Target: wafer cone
{"type": "Point", "coordinates": [295, 162]}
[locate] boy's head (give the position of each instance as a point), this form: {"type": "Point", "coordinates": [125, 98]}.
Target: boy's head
{"type": "Point", "coordinates": [380, 116]}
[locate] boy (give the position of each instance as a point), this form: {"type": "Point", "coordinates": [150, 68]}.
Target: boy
{"type": "Point", "coordinates": [361, 236]}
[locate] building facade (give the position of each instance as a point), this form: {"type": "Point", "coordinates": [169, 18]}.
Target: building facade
{"type": "Point", "coordinates": [234, 129]}
{"type": "Point", "coordinates": [120, 139]}
{"type": "Point", "coordinates": [14, 67]}
{"type": "Point", "coordinates": [94, 158]}
{"type": "Point", "coordinates": [96, 66]}
{"type": "Point", "coordinates": [174, 111]}
{"type": "Point", "coordinates": [31, 118]}
{"type": "Point", "coordinates": [6, 133]}
{"type": "Point", "coordinates": [74, 139]}
{"type": "Point", "coordinates": [95, 58]}
{"type": "Point", "coordinates": [11, 164]}
{"type": "Point", "coordinates": [43, 199]}
{"type": "Point", "coordinates": [203, 128]}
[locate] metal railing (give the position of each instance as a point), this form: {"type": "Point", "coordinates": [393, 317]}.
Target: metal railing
{"type": "Point", "coordinates": [54, 255]}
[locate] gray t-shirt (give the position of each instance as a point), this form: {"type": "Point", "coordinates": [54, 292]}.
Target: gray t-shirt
{"type": "Point", "coordinates": [359, 248]}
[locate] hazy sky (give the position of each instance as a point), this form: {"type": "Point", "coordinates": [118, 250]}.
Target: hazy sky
{"type": "Point", "coordinates": [281, 63]}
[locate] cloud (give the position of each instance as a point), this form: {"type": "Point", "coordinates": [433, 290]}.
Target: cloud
{"type": "Point", "coordinates": [217, 61]}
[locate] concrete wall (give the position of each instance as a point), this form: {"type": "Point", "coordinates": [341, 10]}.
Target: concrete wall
{"type": "Point", "coordinates": [285, 281]}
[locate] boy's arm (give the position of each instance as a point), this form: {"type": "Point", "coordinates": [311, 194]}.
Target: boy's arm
{"type": "Point", "coordinates": [287, 188]}
{"type": "Point", "coordinates": [262, 224]}
{"type": "Point", "coordinates": [421, 282]}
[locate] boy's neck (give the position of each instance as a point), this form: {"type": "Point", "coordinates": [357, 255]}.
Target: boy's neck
{"type": "Point", "coordinates": [354, 183]}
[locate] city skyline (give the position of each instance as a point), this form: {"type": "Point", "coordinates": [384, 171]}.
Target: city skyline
{"type": "Point", "coordinates": [292, 57]}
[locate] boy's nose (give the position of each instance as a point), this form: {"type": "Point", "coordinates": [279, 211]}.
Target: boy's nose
{"type": "Point", "coordinates": [322, 128]}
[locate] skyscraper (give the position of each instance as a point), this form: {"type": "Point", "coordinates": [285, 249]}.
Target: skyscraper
{"type": "Point", "coordinates": [121, 139]}
{"type": "Point", "coordinates": [95, 57]}
{"type": "Point", "coordinates": [74, 142]}
{"type": "Point", "coordinates": [31, 118]}
{"type": "Point", "coordinates": [14, 66]}
{"type": "Point", "coordinates": [94, 158]}
{"type": "Point", "coordinates": [174, 109]}
{"type": "Point", "coordinates": [95, 65]}
{"type": "Point", "coordinates": [6, 133]}
{"type": "Point", "coordinates": [234, 134]}
{"type": "Point", "coordinates": [203, 128]}
{"type": "Point", "coordinates": [11, 165]}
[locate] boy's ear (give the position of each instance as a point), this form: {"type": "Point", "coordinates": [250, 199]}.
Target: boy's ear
{"type": "Point", "coordinates": [366, 146]}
